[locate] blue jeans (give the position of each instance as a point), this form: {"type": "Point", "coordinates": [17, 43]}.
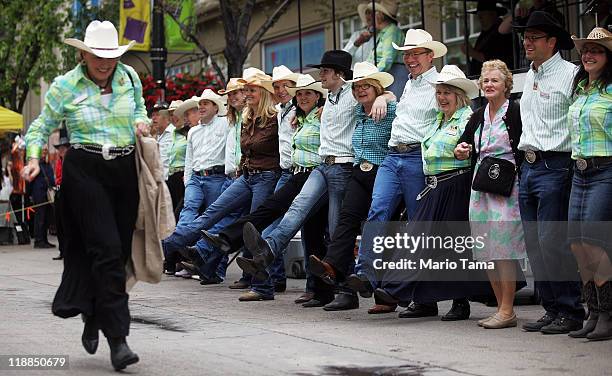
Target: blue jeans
{"type": "Point", "coordinates": [399, 176]}
{"type": "Point", "coordinates": [254, 189]}
{"type": "Point", "coordinates": [544, 192]}
{"type": "Point", "coordinates": [200, 192]}
{"type": "Point", "coordinates": [326, 181]}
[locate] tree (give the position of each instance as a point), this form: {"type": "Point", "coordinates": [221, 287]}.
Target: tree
{"type": "Point", "coordinates": [32, 31]}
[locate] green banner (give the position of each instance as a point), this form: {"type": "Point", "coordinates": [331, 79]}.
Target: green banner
{"type": "Point", "coordinates": [184, 11]}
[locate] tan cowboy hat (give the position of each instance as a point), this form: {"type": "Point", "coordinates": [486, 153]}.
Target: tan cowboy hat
{"type": "Point", "coordinates": [278, 74]}
{"type": "Point", "coordinates": [368, 71]}
{"type": "Point", "coordinates": [186, 105]}
{"type": "Point", "coordinates": [598, 35]}
{"type": "Point", "coordinates": [306, 81]}
{"type": "Point", "coordinates": [232, 85]}
{"type": "Point", "coordinates": [210, 95]}
{"type": "Point", "coordinates": [453, 76]}
{"type": "Point", "coordinates": [419, 38]}
{"type": "Point", "coordinates": [173, 106]}
{"type": "Point", "coordinates": [388, 7]}
{"type": "Point", "coordinates": [256, 77]}
{"type": "Point", "coordinates": [102, 40]}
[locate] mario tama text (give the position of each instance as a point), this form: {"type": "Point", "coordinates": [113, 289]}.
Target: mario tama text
{"type": "Point", "coordinates": [431, 264]}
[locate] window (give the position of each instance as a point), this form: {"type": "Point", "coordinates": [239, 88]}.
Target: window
{"type": "Point", "coordinates": [453, 33]}
{"type": "Point", "coordinates": [347, 27]}
{"type": "Point", "coordinates": [286, 50]}
{"type": "Point", "coordinates": [409, 14]}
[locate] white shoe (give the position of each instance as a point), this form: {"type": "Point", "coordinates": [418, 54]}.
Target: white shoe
{"type": "Point", "coordinates": [195, 276]}
{"type": "Point", "coordinates": [183, 273]}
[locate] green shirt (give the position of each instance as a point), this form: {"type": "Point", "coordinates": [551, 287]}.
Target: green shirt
{"type": "Point", "coordinates": [306, 140]}
{"type": "Point", "coordinates": [77, 99]}
{"type": "Point", "coordinates": [590, 122]}
{"type": "Point", "coordinates": [439, 144]}
{"type": "Point", "coordinates": [178, 150]}
{"type": "Point", "coordinates": [386, 55]}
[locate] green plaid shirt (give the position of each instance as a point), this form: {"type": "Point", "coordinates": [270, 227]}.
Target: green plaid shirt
{"type": "Point", "coordinates": [75, 98]}
{"type": "Point", "coordinates": [439, 144]}
{"type": "Point", "coordinates": [306, 140]}
{"type": "Point", "coordinates": [177, 152]}
{"type": "Point", "coordinates": [386, 55]}
{"type": "Point", "coordinates": [590, 122]}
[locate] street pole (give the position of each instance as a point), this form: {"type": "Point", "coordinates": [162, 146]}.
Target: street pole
{"type": "Point", "coordinates": [158, 48]}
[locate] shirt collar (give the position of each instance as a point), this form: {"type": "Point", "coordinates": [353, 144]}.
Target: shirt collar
{"type": "Point", "coordinates": [456, 115]}
{"type": "Point", "coordinates": [547, 64]}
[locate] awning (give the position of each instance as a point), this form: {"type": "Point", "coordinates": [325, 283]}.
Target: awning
{"type": "Point", "coordinates": [10, 120]}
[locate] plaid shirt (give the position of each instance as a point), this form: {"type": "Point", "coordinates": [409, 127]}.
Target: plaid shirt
{"type": "Point", "coordinates": [590, 122]}
{"type": "Point", "coordinates": [177, 152]}
{"type": "Point", "coordinates": [386, 55]}
{"type": "Point", "coordinates": [370, 139]}
{"type": "Point", "coordinates": [306, 141]}
{"type": "Point", "coordinates": [77, 99]}
{"type": "Point", "coordinates": [439, 144]}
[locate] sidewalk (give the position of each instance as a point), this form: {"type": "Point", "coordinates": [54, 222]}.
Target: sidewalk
{"type": "Point", "coordinates": [182, 328]}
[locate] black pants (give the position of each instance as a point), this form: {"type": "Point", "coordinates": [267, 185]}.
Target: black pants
{"type": "Point", "coordinates": [355, 207]}
{"type": "Point", "coordinates": [42, 220]}
{"type": "Point", "coordinates": [58, 222]}
{"type": "Point", "coordinates": [176, 186]}
{"type": "Point", "coordinates": [315, 239]}
{"type": "Point", "coordinates": [98, 210]}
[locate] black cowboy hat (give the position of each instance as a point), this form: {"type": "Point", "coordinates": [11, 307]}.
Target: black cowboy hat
{"type": "Point", "coordinates": [336, 59]}
{"type": "Point", "coordinates": [63, 138]}
{"type": "Point", "coordinates": [160, 106]}
{"type": "Point", "coordinates": [545, 22]}
{"type": "Point", "coordinates": [484, 5]}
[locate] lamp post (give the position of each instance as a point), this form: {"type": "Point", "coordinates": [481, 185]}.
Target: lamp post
{"type": "Point", "coordinates": [158, 48]}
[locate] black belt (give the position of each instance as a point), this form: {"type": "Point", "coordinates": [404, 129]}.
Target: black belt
{"type": "Point", "coordinates": [405, 148]}
{"type": "Point", "coordinates": [214, 170]}
{"type": "Point", "coordinates": [431, 181]}
{"type": "Point", "coordinates": [107, 152]}
{"type": "Point", "coordinates": [532, 156]}
{"type": "Point", "coordinates": [586, 163]}
{"type": "Point", "coordinates": [299, 169]}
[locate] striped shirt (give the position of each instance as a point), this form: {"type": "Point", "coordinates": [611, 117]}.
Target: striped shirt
{"type": "Point", "coordinates": [177, 152]}
{"type": "Point", "coordinates": [439, 144]}
{"type": "Point", "coordinates": [338, 123]}
{"type": "Point", "coordinates": [77, 99]}
{"type": "Point", "coordinates": [547, 95]}
{"type": "Point", "coordinates": [206, 146]}
{"type": "Point", "coordinates": [386, 55]}
{"type": "Point", "coordinates": [416, 110]}
{"type": "Point", "coordinates": [590, 122]}
{"type": "Point", "coordinates": [306, 141]}
{"type": "Point", "coordinates": [286, 113]}
{"type": "Point", "coordinates": [370, 140]}
{"type": "Point", "coordinates": [165, 144]}
{"type": "Point", "coordinates": [232, 147]}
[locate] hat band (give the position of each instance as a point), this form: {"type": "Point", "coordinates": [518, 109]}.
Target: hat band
{"type": "Point", "coordinates": [104, 49]}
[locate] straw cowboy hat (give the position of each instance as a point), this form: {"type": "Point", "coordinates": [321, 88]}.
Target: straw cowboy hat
{"type": "Point", "coordinates": [306, 82]}
{"type": "Point", "coordinates": [365, 70]}
{"type": "Point", "coordinates": [545, 22]}
{"type": "Point", "coordinates": [186, 106]}
{"type": "Point", "coordinates": [419, 38]}
{"type": "Point", "coordinates": [173, 106]}
{"type": "Point", "coordinates": [388, 7]}
{"type": "Point", "coordinates": [210, 95]}
{"type": "Point", "coordinates": [256, 77]}
{"type": "Point", "coordinates": [102, 40]}
{"type": "Point", "coordinates": [232, 85]}
{"type": "Point", "coordinates": [281, 73]}
{"type": "Point", "coordinates": [453, 76]}
{"type": "Point", "coordinates": [598, 35]}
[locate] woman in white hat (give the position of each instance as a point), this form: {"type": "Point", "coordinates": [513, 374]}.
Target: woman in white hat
{"type": "Point", "coordinates": [493, 132]}
{"type": "Point", "coordinates": [445, 198]}
{"type": "Point", "coordinates": [590, 209]}
{"type": "Point", "coordinates": [101, 100]}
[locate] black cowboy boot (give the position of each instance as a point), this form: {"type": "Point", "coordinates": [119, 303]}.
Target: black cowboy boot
{"type": "Point", "coordinates": [603, 328]}
{"type": "Point", "coordinates": [589, 295]}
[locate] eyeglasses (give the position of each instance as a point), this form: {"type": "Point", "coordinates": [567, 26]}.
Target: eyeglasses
{"type": "Point", "coordinates": [531, 38]}
{"type": "Point", "coordinates": [415, 54]}
{"type": "Point", "coordinates": [592, 51]}
{"type": "Point", "coordinates": [361, 87]}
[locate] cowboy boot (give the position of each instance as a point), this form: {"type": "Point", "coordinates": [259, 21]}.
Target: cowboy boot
{"type": "Point", "coordinates": [603, 328]}
{"type": "Point", "coordinates": [120, 353]}
{"type": "Point", "coordinates": [589, 295]}
{"type": "Point", "coordinates": [89, 338]}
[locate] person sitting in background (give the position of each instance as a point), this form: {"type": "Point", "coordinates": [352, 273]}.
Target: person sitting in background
{"type": "Point", "coordinates": [360, 43]}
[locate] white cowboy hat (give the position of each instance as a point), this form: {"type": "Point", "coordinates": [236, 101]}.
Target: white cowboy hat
{"type": "Point", "coordinates": [256, 77]}
{"type": "Point", "coordinates": [185, 106]}
{"type": "Point", "coordinates": [305, 81]}
{"type": "Point", "coordinates": [102, 40]}
{"type": "Point", "coordinates": [598, 35]}
{"type": "Point", "coordinates": [364, 71]}
{"type": "Point", "coordinates": [210, 95]}
{"type": "Point", "coordinates": [281, 73]}
{"type": "Point", "coordinates": [173, 106]}
{"type": "Point", "coordinates": [232, 85]}
{"type": "Point", "coordinates": [419, 38]}
{"type": "Point", "coordinates": [453, 76]}
{"type": "Point", "coordinates": [388, 7]}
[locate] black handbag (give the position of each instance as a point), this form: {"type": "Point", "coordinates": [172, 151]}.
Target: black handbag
{"type": "Point", "coordinates": [494, 175]}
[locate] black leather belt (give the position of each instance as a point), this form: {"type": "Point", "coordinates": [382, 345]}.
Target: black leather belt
{"type": "Point", "coordinates": [299, 169]}
{"type": "Point", "coordinates": [214, 170]}
{"type": "Point", "coordinates": [586, 163]}
{"type": "Point", "coordinates": [532, 156]}
{"type": "Point", "coordinates": [431, 181]}
{"type": "Point", "coordinates": [405, 148]}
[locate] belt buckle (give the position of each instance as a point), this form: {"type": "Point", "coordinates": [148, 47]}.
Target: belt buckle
{"type": "Point", "coordinates": [366, 166]}
{"type": "Point", "coordinates": [402, 148]}
{"type": "Point", "coordinates": [530, 156]}
{"type": "Point", "coordinates": [106, 152]}
{"type": "Point", "coordinates": [330, 160]}
{"type": "Point", "coordinates": [432, 182]}
{"type": "Point", "coordinates": [581, 164]}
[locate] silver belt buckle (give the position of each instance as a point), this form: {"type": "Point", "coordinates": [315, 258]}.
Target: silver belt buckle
{"type": "Point", "coordinates": [530, 156]}
{"type": "Point", "coordinates": [402, 148]}
{"type": "Point", "coordinates": [106, 152]}
{"type": "Point", "coordinates": [330, 160]}
{"type": "Point", "coordinates": [431, 181]}
{"type": "Point", "coordinates": [366, 166]}
{"type": "Point", "coordinates": [581, 164]}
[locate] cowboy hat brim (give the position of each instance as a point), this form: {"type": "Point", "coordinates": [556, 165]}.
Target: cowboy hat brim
{"type": "Point", "coordinates": [385, 79]}
{"type": "Point", "coordinates": [361, 9]}
{"type": "Point", "coordinates": [315, 86]}
{"type": "Point", "coordinates": [468, 86]}
{"type": "Point", "coordinates": [439, 49]}
{"type": "Point", "coordinates": [579, 42]}
{"type": "Point", "coordinates": [106, 53]}
{"type": "Point", "coordinates": [257, 82]}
